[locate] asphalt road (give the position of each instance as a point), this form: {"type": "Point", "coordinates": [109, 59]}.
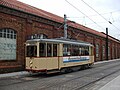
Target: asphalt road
{"type": "Point", "coordinates": [88, 79]}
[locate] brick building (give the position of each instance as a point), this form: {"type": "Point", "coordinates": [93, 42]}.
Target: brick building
{"type": "Point", "coordinates": [18, 21]}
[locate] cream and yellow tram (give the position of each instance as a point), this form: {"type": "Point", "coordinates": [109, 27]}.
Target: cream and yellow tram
{"type": "Point", "coordinates": [50, 55]}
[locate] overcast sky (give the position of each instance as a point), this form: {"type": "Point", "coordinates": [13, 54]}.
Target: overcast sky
{"type": "Point", "coordinates": [78, 11]}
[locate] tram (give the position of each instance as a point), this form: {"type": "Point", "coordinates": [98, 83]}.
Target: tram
{"type": "Point", "coordinates": [57, 55]}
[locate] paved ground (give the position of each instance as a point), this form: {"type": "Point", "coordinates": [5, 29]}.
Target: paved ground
{"type": "Point", "coordinates": [21, 73]}
{"type": "Point", "coordinates": [108, 73]}
{"type": "Point", "coordinates": [112, 85]}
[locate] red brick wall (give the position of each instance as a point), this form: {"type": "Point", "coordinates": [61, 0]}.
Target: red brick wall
{"type": "Point", "coordinates": [17, 24]}
{"type": "Point", "coordinates": [25, 26]}
{"type": "Point", "coordinates": [42, 28]}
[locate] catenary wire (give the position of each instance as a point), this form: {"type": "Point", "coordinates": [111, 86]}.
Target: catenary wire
{"type": "Point", "coordinates": [100, 14]}
{"type": "Point", "coordinates": [97, 14]}
{"type": "Point", "coordinates": [83, 14]}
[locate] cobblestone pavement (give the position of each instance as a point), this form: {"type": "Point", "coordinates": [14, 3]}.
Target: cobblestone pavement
{"type": "Point", "coordinates": [93, 78]}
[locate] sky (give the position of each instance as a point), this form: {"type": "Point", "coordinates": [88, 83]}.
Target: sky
{"type": "Point", "coordinates": [95, 14]}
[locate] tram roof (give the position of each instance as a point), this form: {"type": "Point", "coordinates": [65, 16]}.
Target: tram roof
{"type": "Point", "coordinates": [62, 40]}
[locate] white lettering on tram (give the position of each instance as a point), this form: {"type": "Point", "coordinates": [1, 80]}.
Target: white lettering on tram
{"type": "Point", "coordinates": [75, 59]}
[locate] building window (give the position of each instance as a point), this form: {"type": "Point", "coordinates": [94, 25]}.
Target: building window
{"type": "Point", "coordinates": [108, 51]}
{"type": "Point", "coordinates": [7, 44]}
{"type": "Point", "coordinates": [37, 36]}
{"type": "Point", "coordinates": [113, 51]}
{"type": "Point", "coordinates": [103, 51]}
{"type": "Point", "coordinates": [116, 51]}
{"type": "Point", "coordinates": [97, 50]}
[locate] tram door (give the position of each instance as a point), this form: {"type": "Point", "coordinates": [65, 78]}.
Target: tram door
{"type": "Point", "coordinates": [31, 53]}
{"type": "Point", "coordinates": [49, 51]}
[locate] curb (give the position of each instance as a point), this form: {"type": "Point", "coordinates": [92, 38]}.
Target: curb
{"type": "Point", "coordinates": [22, 73]}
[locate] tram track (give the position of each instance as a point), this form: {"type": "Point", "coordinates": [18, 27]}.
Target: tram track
{"type": "Point", "coordinates": [59, 81]}
{"type": "Point", "coordinates": [83, 76]}
{"type": "Point", "coordinates": [78, 88]}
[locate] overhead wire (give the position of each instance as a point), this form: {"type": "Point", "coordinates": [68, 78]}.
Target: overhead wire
{"type": "Point", "coordinates": [107, 13]}
{"type": "Point", "coordinates": [100, 14]}
{"type": "Point", "coordinates": [97, 14]}
{"type": "Point", "coordinates": [83, 14]}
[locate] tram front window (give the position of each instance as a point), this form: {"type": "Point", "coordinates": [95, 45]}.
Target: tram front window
{"type": "Point", "coordinates": [31, 51]}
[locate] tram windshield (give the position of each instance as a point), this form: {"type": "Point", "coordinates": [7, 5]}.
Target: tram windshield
{"type": "Point", "coordinates": [31, 51]}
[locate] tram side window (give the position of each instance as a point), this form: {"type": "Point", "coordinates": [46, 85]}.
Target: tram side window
{"type": "Point", "coordinates": [66, 50]}
{"type": "Point", "coordinates": [87, 50]}
{"type": "Point", "coordinates": [49, 50]}
{"type": "Point", "coordinates": [80, 50]}
{"type": "Point", "coordinates": [31, 51]}
{"type": "Point", "coordinates": [54, 49]}
{"type": "Point", "coordinates": [75, 50]}
{"type": "Point", "coordinates": [42, 50]}
{"type": "Point", "coordinates": [83, 50]}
